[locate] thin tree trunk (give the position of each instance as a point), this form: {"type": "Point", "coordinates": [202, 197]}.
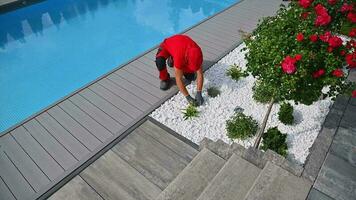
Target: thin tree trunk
{"type": "Point", "coordinates": [263, 126]}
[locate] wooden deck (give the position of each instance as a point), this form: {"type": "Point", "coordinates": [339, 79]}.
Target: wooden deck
{"type": "Point", "coordinates": [47, 150]}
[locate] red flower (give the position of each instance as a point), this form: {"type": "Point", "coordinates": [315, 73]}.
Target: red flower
{"type": "Point", "coordinates": [300, 37]}
{"type": "Point", "coordinates": [342, 52]}
{"type": "Point", "coordinates": [298, 57]}
{"type": "Point", "coordinates": [351, 17]}
{"type": "Point", "coordinates": [332, 2]}
{"type": "Point", "coordinates": [354, 94]}
{"type": "Point", "coordinates": [313, 38]}
{"type": "Point", "coordinates": [325, 37]}
{"type": "Point", "coordinates": [351, 60]}
{"type": "Point", "coordinates": [346, 7]}
{"type": "Point", "coordinates": [318, 73]}
{"type": "Point", "coordinates": [352, 32]}
{"type": "Point", "coordinates": [288, 65]}
{"type": "Point", "coordinates": [330, 49]}
{"type": "Point", "coordinates": [335, 42]}
{"type": "Point", "coordinates": [338, 73]}
{"type": "Point", "coordinates": [305, 3]}
{"type": "Point", "coordinates": [305, 15]}
{"type": "Point", "coordinates": [322, 20]}
{"type": "Point", "coordinates": [320, 10]}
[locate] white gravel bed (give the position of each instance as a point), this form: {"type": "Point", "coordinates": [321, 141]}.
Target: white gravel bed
{"type": "Point", "coordinates": [215, 111]}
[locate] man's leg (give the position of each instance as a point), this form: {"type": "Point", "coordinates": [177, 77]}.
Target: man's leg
{"type": "Point", "coordinates": [163, 73]}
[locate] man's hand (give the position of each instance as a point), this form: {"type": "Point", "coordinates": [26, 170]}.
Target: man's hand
{"type": "Point", "coordinates": [191, 100]}
{"type": "Point", "coordinates": [199, 99]}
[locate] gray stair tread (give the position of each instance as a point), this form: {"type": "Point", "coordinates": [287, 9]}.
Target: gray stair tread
{"type": "Point", "coordinates": [194, 178]}
{"type": "Point", "coordinates": [77, 188]}
{"type": "Point", "coordinates": [113, 178]}
{"type": "Point", "coordinates": [233, 181]}
{"type": "Point", "coordinates": [275, 183]}
{"type": "Point", "coordinates": [178, 146]}
{"type": "Point", "coordinates": [154, 160]}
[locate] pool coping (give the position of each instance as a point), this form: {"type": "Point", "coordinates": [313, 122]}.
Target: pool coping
{"type": "Point", "coordinates": [12, 5]}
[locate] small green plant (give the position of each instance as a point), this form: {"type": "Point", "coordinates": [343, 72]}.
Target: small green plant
{"type": "Point", "coordinates": [213, 91]}
{"type": "Point", "coordinates": [235, 72]}
{"type": "Point", "coordinates": [190, 112]}
{"type": "Point", "coordinates": [275, 140]}
{"type": "Point", "coordinates": [241, 126]}
{"type": "Point", "coordinates": [285, 114]}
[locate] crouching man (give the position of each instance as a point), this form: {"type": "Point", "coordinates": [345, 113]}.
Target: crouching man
{"type": "Point", "coordinates": [182, 53]}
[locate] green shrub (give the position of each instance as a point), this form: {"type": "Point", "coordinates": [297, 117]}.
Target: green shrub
{"type": "Point", "coordinates": [262, 92]}
{"type": "Point", "coordinates": [274, 140]}
{"type": "Point", "coordinates": [285, 114]}
{"type": "Point", "coordinates": [235, 72]}
{"type": "Point", "coordinates": [282, 55]}
{"type": "Point", "coordinates": [190, 112]}
{"type": "Point", "coordinates": [213, 91]}
{"type": "Point", "coordinates": [241, 126]}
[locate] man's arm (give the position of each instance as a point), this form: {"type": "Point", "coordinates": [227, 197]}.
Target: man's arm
{"type": "Point", "coordinates": [200, 79]}
{"type": "Point", "coordinates": [179, 81]}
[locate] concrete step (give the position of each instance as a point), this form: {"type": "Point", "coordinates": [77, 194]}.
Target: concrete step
{"type": "Point", "coordinates": [275, 183]}
{"type": "Point", "coordinates": [233, 181]}
{"type": "Point", "coordinates": [191, 182]}
{"type": "Point", "coordinates": [254, 156]}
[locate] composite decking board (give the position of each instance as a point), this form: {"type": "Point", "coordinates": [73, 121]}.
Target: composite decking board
{"type": "Point", "coordinates": [133, 69]}
{"type": "Point", "coordinates": [118, 102]}
{"type": "Point", "coordinates": [5, 192]}
{"type": "Point", "coordinates": [134, 89]}
{"type": "Point", "coordinates": [117, 114]}
{"type": "Point", "coordinates": [99, 131]}
{"type": "Point", "coordinates": [206, 38]}
{"type": "Point", "coordinates": [156, 162]}
{"type": "Point", "coordinates": [14, 179]}
{"type": "Point", "coordinates": [137, 71]}
{"type": "Point", "coordinates": [217, 29]}
{"type": "Point", "coordinates": [155, 91]}
{"type": "Point", "coordinates": [52, 146]}
{"type": "Point", "coordinates": [109, 176]}
{"type": "Point", "coordinates": [71, 143]}
{"type": "Point", "coordinates": [119, 91]}
{"type": "Point", "coordinates": [184, 150]}
{"type": "Point", "coordinates": [149, 69]}
{"type": "Point", "coordinates": [39, 155]}
{"type": "Point", "coordinates": [234, 29]}
{"type": "Point", "coordinates": [100, 116]}
{"type": "Point", "coordinates": [151, 66]}
{"type": "Point", "coordinates": [71, 125]}
{"type": "Point", "coordinates": [218, 34]}
{"type": "Point", "coordinates": [27, 167]}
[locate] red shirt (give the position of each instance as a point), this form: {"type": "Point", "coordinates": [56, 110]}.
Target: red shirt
{"type": "Point", "coordinates": [186, 54]}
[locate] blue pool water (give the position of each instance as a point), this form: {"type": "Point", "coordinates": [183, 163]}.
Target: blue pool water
{"type": "Point", "coordinates": [50, 49]}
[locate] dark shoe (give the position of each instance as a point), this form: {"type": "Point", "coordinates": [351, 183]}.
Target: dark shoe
{"type": "Point", "coordinates": [164, 85]}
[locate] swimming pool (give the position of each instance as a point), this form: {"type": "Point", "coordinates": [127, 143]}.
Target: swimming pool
{"type": "Point", "coordinates": [50, 49]}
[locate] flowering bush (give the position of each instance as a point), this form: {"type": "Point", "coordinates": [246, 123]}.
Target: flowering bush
{"type": "Point", "coordinates": [299, 51]}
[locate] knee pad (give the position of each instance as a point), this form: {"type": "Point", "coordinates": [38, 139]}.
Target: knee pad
{"type": "Point", "coordinates": [170, 61]}
{"type": "Point", "coordinates": [160, 63]}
